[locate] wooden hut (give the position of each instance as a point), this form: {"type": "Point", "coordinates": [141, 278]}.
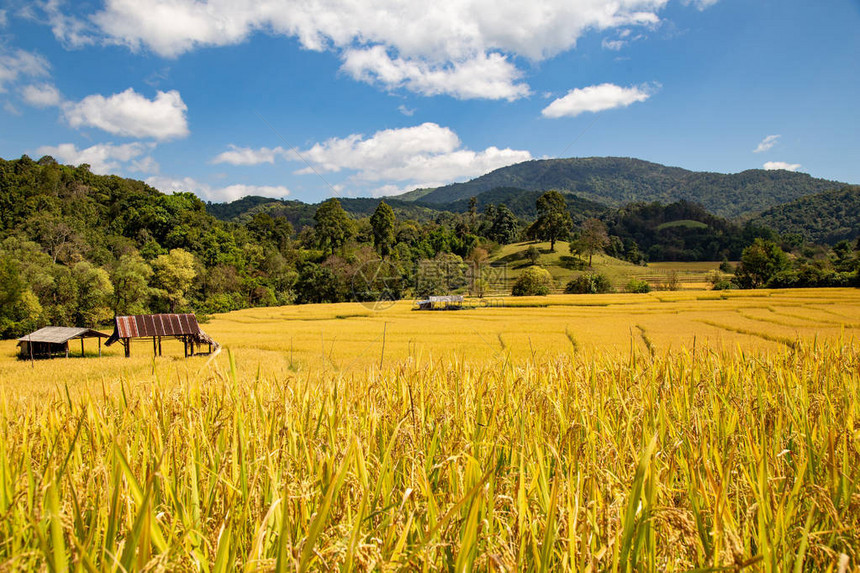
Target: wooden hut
{"type": "Point", "coordinates": [183, 327]}
{"type": "Point", "coordinates": [53, 341]}
{"type": "Point", "coordinates": [449, 302]}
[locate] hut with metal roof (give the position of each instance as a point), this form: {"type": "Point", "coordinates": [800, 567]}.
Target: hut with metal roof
{"type": "Point", "coordinates": [54, 341]}
{"type": "Point", "coordinates": [183, 327]}
{"type": "Point", "coordinates": [448, 302]}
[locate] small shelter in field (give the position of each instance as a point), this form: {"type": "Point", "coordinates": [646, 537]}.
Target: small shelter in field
{"type": "Point", "coordinates": [449, 302]}
{"type": "Point", "coordinates": [183, 327]}
{"type": "Point", "coordinates": [53, 341]}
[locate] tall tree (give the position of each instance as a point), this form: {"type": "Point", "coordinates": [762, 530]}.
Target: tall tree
{"type": "Point", "coordinates": [593, 237]}
{"type": "Point", "coordinates": [131, 284]}
{"type": "Point", "coordinates": [554, 221]}
{"type": "Point", "coordinates": [505, 227]}
{"type": "Point", "coordinates": [173, 275]}
{"type": "Point", "coordinates": [760, 262]}
{"type": "Point", "coordinates": [95, 292]}
{"type": "Point", "coordinates": [382, 222]}
{"type": "Point", "coordinates": [332, 225]}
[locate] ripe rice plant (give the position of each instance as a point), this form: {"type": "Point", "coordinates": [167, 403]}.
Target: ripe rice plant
{"type": "Point", "coordinates": [646, 461]}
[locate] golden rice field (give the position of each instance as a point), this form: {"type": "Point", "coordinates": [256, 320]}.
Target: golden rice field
{"type": "Point", "coordinates": [662, 432]}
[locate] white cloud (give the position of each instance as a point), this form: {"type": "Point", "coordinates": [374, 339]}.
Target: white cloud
{"type": "Point", "coordinates": [390, 190]}
{"type": "Point", "coordinates": [3, 20]}
{"type": "Point", "coordinates": [215, 194]}
{"type": "Point", "coordinates": [105, 158]}
{"type": "Point", "coordinates": [425, 154]}
{"type": "Point", "coordinates": [596, 98]}
{"type": "Point", "coordinates": [766, 144]}
{"type": "Point", "coordinates": [700, 4]}
{"type": "Point", "coordinates": [429, 48]}
{"type": "Point", "coordinates": [248, 156]}
{"type": "Point", "coordinates": [484, 76]}
{"type": "Point", "coordinates": [72, 32]}
{"type": "Point", "coordinates": [131, 114]}
{"type": "Point", "coordinates": [42, 95]}
{"type": "Point", "coordinates": [773, 165]}
{"type": "Point", "coordinates": [614, 45]}
{"type": "Point", "coordinates": [408, 112]}
{"type": "Point", "coordinates": [20, 63]}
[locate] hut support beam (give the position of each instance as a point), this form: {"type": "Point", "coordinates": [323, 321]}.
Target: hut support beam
{"type": "Point", "coordinates": [82, 347]}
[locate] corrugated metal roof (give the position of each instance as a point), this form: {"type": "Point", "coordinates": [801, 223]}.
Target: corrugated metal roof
{"type": "Point", "coordinates": [60, 334]}
{"type": "Point", "coordinates": [156, 325]}
{"type": "Point", "coordinates": [145, 325]}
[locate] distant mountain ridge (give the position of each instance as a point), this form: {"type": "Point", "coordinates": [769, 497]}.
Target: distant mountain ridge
{"type": "Point", "coordinates": [614, 181]}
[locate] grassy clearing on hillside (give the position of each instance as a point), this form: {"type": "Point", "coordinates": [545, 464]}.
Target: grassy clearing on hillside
{"type": "Point", "coordinates": [691, 276]}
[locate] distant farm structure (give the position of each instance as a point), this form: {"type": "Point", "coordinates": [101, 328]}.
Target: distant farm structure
{"type": "Point", "coordinates": [53, 341]}
{"type": "Point", "coordinates": [449, 302]}
{"type": "Point", "coordinates": [182, 327]}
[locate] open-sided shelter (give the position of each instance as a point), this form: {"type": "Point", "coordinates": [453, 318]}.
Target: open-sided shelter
{"type": "Point", "coordinates": [183, 327]}
{"type": "Point", "coordinates": [448, 302]}
{"type": "Point", "coordinates": [53, 341]}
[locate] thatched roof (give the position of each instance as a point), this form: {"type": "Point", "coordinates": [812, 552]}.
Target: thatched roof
{"type": "Point", "coordinates": [60, 334]}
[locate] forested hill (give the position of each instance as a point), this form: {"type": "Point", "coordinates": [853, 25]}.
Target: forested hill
{"type": "Point", "coordinates": [615, 181]}
{"type": "Point", "coordinates": [827, 217]}
{"type": "Point", "coordinates": [520, 201]}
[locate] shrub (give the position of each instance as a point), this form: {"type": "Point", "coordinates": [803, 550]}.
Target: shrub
{"type": "Point", "coordinates": [535, 281]}
{"type": "Point", "coordinates": [638, 286]}
{"type": "Point", "coordinates": [533, 254]}
{"type": "Point", "coordinates": [672, 281]}
{"type": "Point", "coordinates": [723, 284]}
{"type": "Point", "coordinates": [589, 284]}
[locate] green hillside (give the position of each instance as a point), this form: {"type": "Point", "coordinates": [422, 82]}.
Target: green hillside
{"type": "Point", "coordinates": [827, 217]}
{"type": "Point", "coordinates": [563, 267]}
{"type": "Point", "coordinates": [615, 181]}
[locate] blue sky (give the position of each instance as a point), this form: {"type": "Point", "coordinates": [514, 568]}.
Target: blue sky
{"type": "Point", "coordinates": [313, 98]}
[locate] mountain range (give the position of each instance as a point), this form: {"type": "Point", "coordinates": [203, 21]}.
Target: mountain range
{"type": "Point", "coordinates": [819, 210]}
{"type": "Point", "coordinates": [615, 181]}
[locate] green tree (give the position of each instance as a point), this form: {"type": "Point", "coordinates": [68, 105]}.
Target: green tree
{"type": "Point", "coordinates": [533, 254]}
{"type": "Point", "coordinates": [382, 222]}
{"type": "Point", "coordinates": [20, 311]}
{"type": "Point", "coordinates": [332, 225]}
{"type": "Point", "coordinates": [760, 262]}
{"type": "Point", "coordinates": [535, 281]}
{"type": "Point", "coordinates": [505, 227]}
{"type": "Point", "coordinates": [173, 274]}
{"type": "Point", "coordinates": [131, 285]}
{"type": "Point", "coordinates": [593, 237]}
{"type": "Point", "coordinates": [589, 284]}
{"type": "Point", "coordinates": [95, 294]}
{"type": "Point", "coordinates": [553, 221]}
